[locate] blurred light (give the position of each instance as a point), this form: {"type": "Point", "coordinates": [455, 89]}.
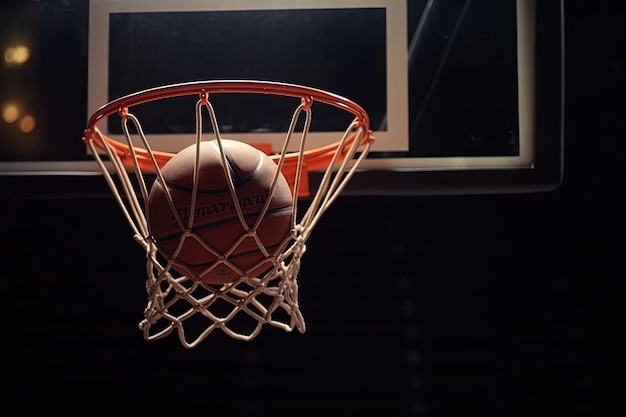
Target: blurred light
{"type": "Point", "coordinates": [9, 55]}
{"type": "Point", "coordinates": [10, 113]}
{"type": "Point", "coordinates": [16, 55]}
{"type": "Point", "coordinates": [27, 124]}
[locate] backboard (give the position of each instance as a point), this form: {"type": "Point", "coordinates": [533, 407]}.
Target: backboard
{"type": "Point", "coordinates": [464, 97]}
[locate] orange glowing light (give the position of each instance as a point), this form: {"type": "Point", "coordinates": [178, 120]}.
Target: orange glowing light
{"type": "Point", "coordinates": [27, 124]}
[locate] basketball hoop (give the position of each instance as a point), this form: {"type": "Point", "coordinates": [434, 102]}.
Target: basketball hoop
{"type": "Point", "coordinates": [191, 307]}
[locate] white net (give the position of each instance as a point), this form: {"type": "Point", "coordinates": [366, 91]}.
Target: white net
{"type": "Point", "coordinates": [192, 308]}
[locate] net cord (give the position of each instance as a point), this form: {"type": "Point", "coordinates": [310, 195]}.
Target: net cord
{"type": "Point", "coordinates": [261, 299]}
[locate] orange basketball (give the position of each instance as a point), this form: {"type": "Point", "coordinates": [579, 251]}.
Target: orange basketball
{"type": "Point", "coordinates": [216, 223]}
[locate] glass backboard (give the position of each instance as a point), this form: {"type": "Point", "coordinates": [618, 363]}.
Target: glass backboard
{"type": "Point", "coordinates": [464, 97]}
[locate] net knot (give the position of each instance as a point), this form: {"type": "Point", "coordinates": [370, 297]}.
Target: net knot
{"type": "Point", "coordinates": [307, 101]}
{"type": "Point", "coordinates": [123, 112]}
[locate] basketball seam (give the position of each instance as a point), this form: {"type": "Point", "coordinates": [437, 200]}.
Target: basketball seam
{"type": "Point", "coordinates": [238, 180]}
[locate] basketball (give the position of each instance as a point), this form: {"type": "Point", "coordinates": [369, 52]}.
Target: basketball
{"type": "Point", "coordinates": [215, 221]}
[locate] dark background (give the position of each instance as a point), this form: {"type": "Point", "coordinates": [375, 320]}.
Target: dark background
{"type": "Point", "coordinates": [443, 306]}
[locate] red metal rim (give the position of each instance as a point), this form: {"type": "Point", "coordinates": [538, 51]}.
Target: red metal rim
{"type": "Point", "coordinates": [317, 158]}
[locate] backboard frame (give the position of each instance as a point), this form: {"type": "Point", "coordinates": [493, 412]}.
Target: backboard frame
{"type": "Point", "coordinates": [540, 170]}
